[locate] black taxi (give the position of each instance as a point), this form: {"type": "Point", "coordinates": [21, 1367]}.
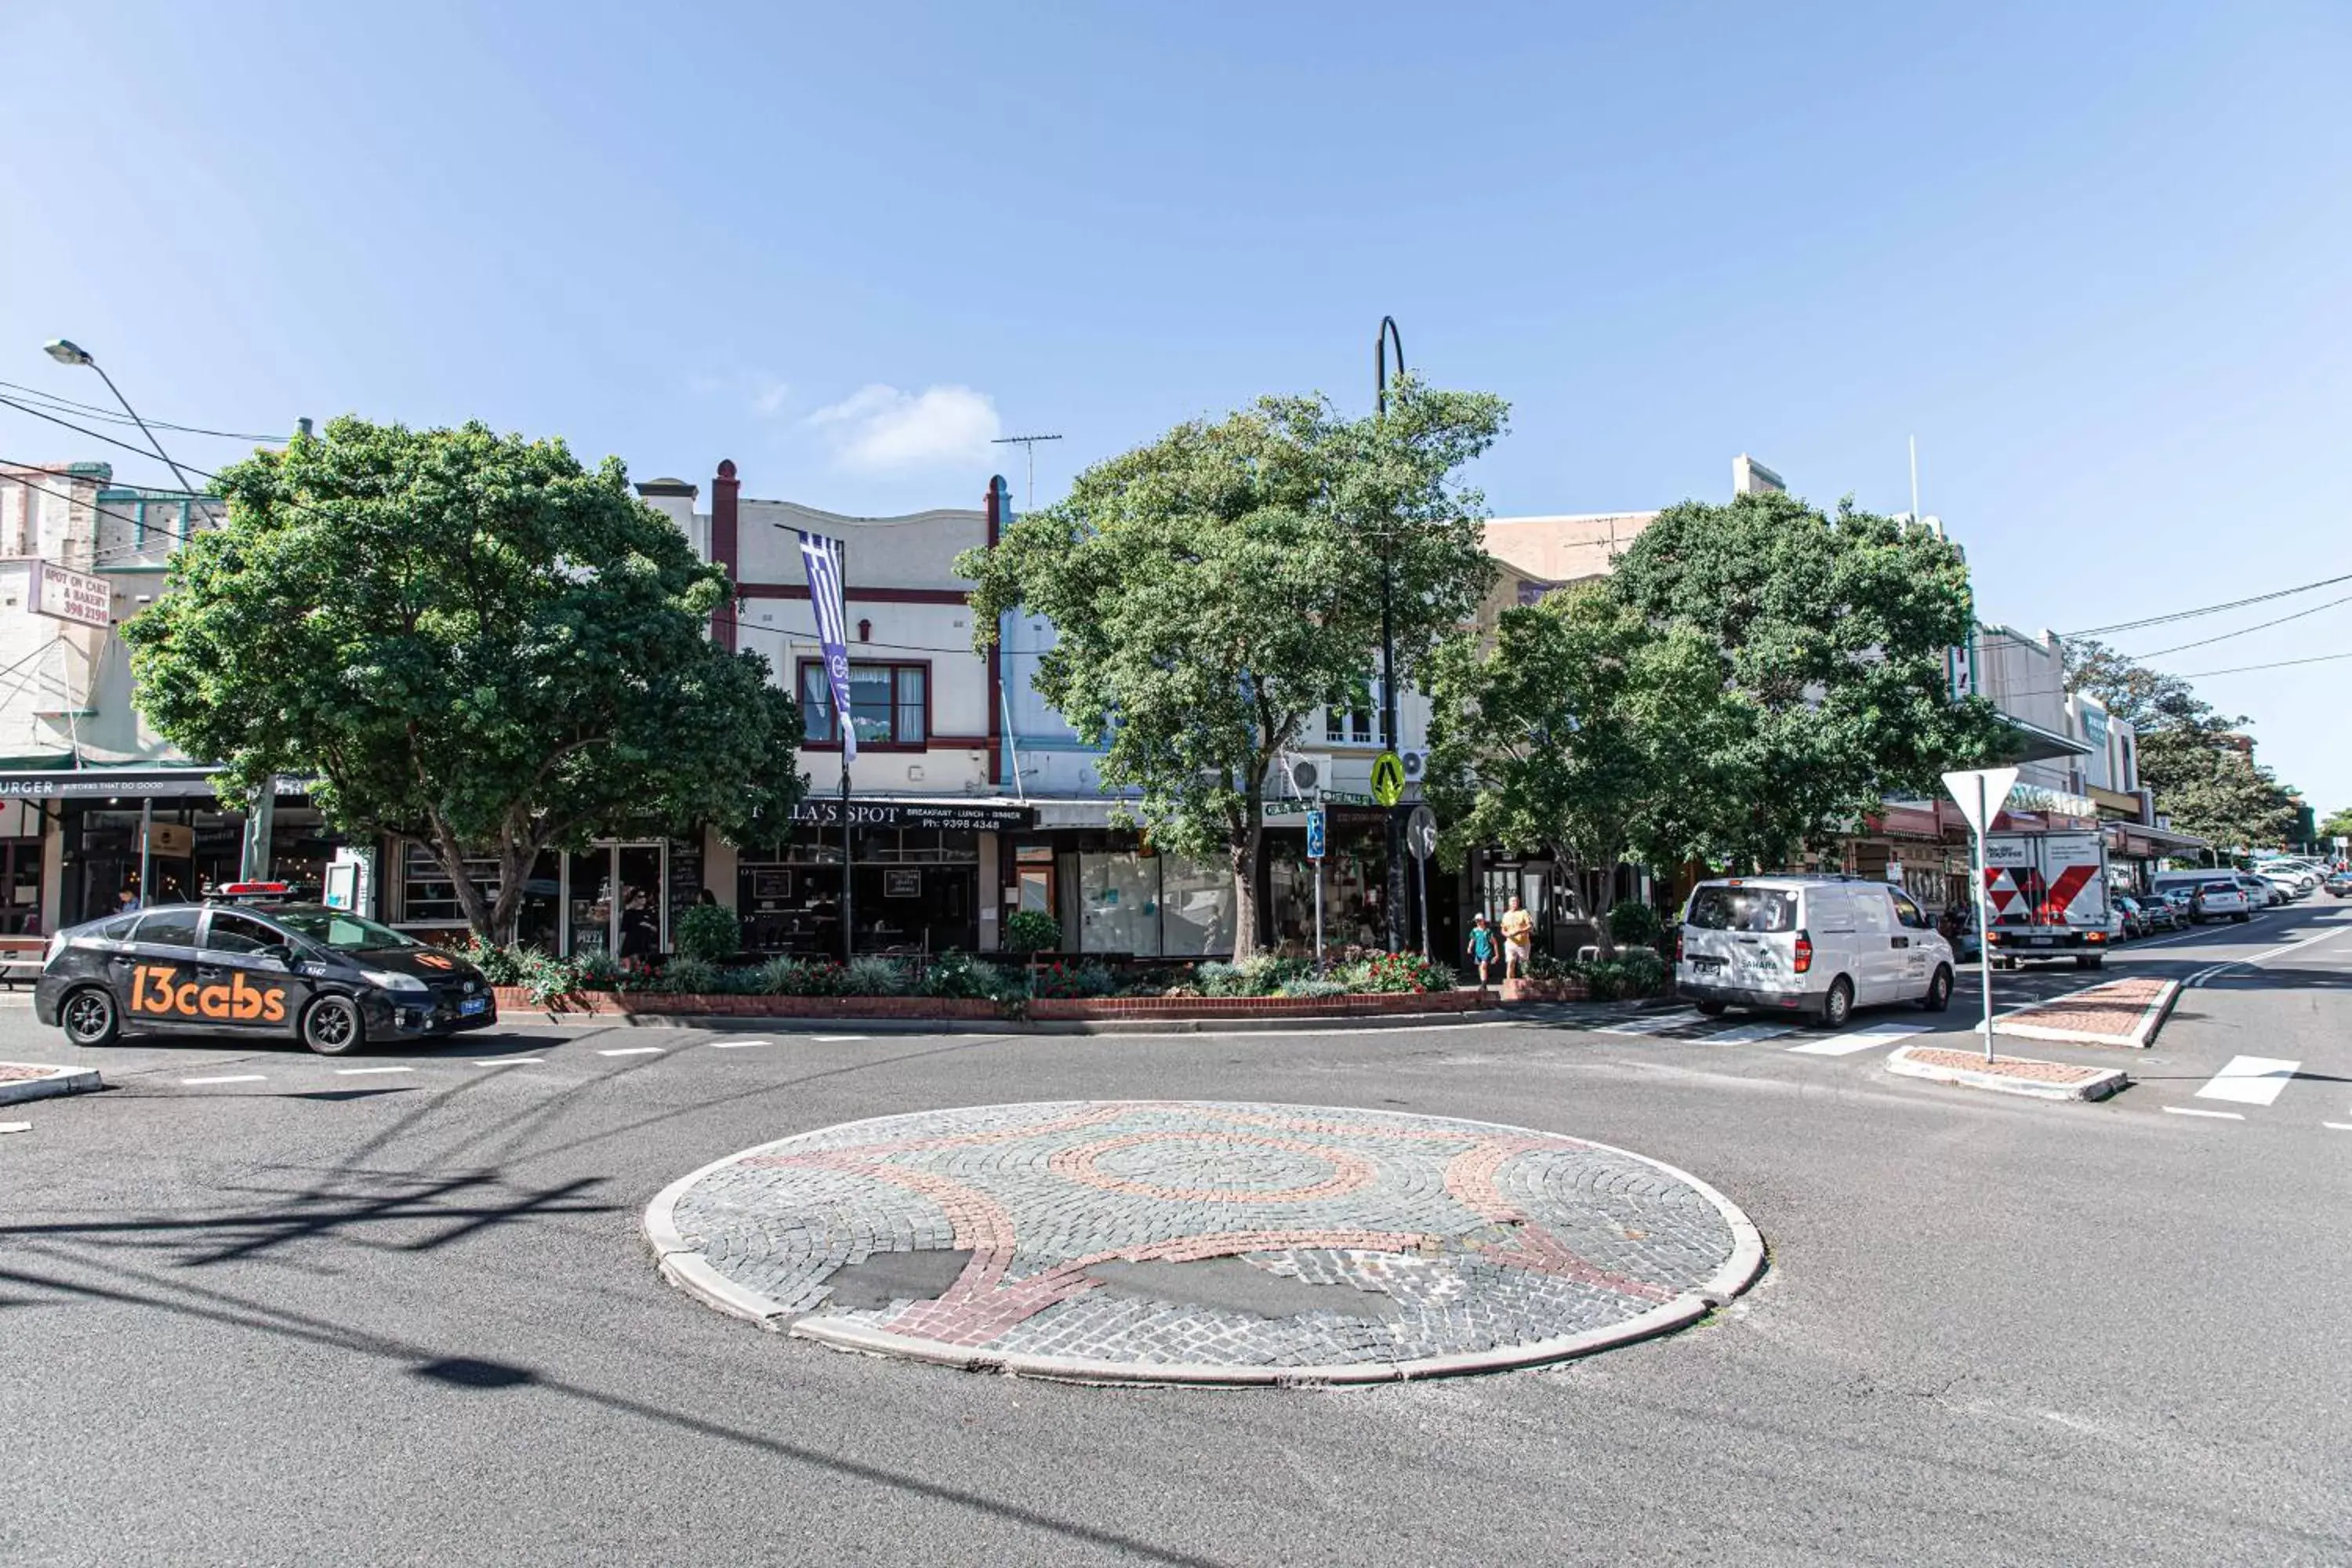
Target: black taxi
{"type": "Point", "coordinates": [322, 975]}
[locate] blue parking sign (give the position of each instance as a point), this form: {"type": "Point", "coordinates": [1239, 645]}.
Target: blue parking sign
{"type": "Point", "coordinates": [1314, 836]}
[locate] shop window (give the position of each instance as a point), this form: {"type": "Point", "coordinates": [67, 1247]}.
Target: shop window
{"type": "Point", "coordinates": [1196, 907]}
{"type": "Point", "coordinates": [889, 704]}
{"type": "Point", "coordinates": [1118, 904]}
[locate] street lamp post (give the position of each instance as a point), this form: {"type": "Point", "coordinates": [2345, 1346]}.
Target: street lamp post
{"type": "Point", "coordinates": [65, 351]}
{"type": "Point", "coordinates": [1393, 904]}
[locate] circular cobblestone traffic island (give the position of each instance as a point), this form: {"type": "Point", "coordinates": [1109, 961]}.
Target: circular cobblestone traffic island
{"type": "Point", "coordinates": [1196, 1242]}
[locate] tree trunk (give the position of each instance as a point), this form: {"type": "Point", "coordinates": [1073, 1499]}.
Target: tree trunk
{"type": "Point", "coordinates": [514, 871]}
{"type": "Point", "coordinates": [452, 856]}
{"type": "Point", "coordinates": [1243, 845]}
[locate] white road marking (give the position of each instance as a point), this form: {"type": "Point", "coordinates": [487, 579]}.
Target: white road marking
{"type": "Point", "coordinates": [511, 1062]}
{"type": "Point", "coordinates": [737, 1044]}
{"type": "Point", "coordinates": [16, 1127]}
{"type": "Point", "coordinates": [2251, 1080]}
{"type": "Point", "coordinates": [228, 1078]}
{"type": "Point", "coordinates": [368, 1073]}
{"type": "Point", "coordinates": [633, 1051]}
{"type": "Point", "coordinates": [837, 1039]}
{"type": "Point", "coordinates": [2209, 971]}
{"type": "Point", "coordinates": [2219, 1115]}
{"type": "Point", "coordinates": [1853, 1040]}
{"type": "Point", "coordinates": [1747, 1033]}
{"type": "Point", "coordinates": [1657, 1024]}
{"type": "Point", "coordinates": [2338, 1126]}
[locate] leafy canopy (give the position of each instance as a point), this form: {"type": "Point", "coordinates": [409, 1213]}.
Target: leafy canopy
{"type": "Point", "coordinates": [466, 638]}
{"type": "Point", "coordinates": [1832, 633]}
{"type": "Point", "coordinates": [1213, 590]}
{"type": "Point", "coordinates": [2195, 759]}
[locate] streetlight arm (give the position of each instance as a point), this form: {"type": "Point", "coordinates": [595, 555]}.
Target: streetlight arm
{"type": "Point", "coordinates": [158, 446]}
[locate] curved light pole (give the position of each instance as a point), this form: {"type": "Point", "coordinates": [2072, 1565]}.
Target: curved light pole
{"type": "Point", "coordinates": [1393, 903]}
{"type": "Point", "coordinates": [65, 351]}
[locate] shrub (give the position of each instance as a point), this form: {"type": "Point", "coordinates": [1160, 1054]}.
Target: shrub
{"type": "Point", "coordinates": [500, 965]}
{"type": "Point", "coordinates": [1544, 966]}
{"type": "Point", "coordinates": [801, 978]}
{"type": "Point", "coordinates": [688, 976]}
{"type": "Point", "coordinates": [708, 933]}
{"type": "Point", "coordinates": [1643, 972]}
{"type": "Point", "coordinates": [1310, 986]}
{"type": "Point", "coordinates": [545, 976]}
{"type": "Point", "coordinates": [597, 972]}
{"type": "Point", "coordinates": [1267, 974]}
{"type": "Point", "coordinates": [1080, 979]}
{"type": "Point", "coordinates": [1218, 980]}
{"type": "Point", "coordinates": [1031, 931]}
{"type": "Point", "coordinates": [1633, 924]}
{"type": "Point", "coordinates": [873, 975]}
{"type": "Point", "coordinates": [961, 977]}
{"type": "Point", "coordinates": [1394, 971]}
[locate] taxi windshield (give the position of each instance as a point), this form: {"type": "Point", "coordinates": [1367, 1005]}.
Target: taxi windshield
{"type": "Point", "coordinates": [334, 928]}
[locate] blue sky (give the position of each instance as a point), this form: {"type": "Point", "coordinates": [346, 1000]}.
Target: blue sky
{"type": "Point", "coordinates": [2093, 257]}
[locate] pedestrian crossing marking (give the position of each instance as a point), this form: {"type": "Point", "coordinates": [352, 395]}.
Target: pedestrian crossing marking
{"type": "Point", "coordinates": [1656, 1024]}
{"type": "Point", "coordinates": [1853, 1040]}
{"type": "Point", "coordinates": [2251, 1080]}
{"type": "Point", "coordinates": [1748, 1034]}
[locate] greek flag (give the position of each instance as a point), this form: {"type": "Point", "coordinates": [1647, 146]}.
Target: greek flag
{"type": "Point", "coordinates": [821, 556]}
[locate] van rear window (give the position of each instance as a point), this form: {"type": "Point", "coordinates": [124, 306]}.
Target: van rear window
{"type": "Point", "coordinates": [1743, 909]}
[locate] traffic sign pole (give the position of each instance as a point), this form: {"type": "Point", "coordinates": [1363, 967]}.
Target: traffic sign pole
{"type": "Point", "coordinates": [1315, 846]}
{"type": "Point", "coordinates": [1984, 924]}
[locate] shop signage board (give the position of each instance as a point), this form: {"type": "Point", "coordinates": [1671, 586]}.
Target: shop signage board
{"type": "Point", "coordinates": [953, 815]}
{"type": "Point", "coordinates": [74, 596]}
{"type": "Point", "coordinates": [100, 783]}
{"type": "Point", "coordinates": [1327, 798]}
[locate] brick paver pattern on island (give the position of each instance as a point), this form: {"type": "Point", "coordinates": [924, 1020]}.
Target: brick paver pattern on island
{"type": "Point", "coordinates": [1459, 1236]}
{"type": "Point", "coordinates": [28, 1072]}
{"type": "Point", "coordinates": [2002, 1067]}
{"type": "Point", "coordinates": [2113, 1008]}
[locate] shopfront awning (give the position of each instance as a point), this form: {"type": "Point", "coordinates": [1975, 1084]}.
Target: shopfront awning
{"type": "Point", "coordinates": [2139, 841]}
{"type": "Point", "coordinates": [2032, 743]}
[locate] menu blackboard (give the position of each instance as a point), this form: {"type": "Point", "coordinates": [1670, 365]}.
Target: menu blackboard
{"type": "Point", "coordinates": [685, 882]}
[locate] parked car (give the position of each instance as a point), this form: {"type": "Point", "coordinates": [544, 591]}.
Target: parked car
{"type": "Point", "coordinates": [2262, 893]}
{"type": "Point", "coordinates": [320, 975]}
{"type": "Point", "coordinates": [1820, 946]}
{"type": "Point", "coordinates": [2179, 898]}
{"type": "Point", "coordinates": [2129, 916]}
{"type": "Point", "coordinates": [2220, 897]}
{"type": "Point", "coordinates": [2339, 885]}
{"type": "Point", "coordinates": [2160, 914]}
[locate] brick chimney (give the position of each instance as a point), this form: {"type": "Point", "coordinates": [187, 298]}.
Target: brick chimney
{"type": "Point", "coordinates": [724, 549]}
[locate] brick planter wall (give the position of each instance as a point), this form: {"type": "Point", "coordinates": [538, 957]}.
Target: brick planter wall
{"type": "Point", "coordinates": [1545, 991]}
{"type": "Point", "coordinates": [1052, 1007]}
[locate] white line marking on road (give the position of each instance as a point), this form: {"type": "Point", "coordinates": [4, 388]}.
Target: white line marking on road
{"type": "Point", "coordinates": [2208, 972]}
{"type": "Point", "coordinates": [2251, 1080]}
{"type": "Point", "coordinates": [1748, 1034]}
{"type": "Point", "coordinates": [633, 1051]}
{"type": "Point", "coordinates": [737, 1044]}
{"type": "Point", "coordinates": [229, 1078]}
{"type": "Point", "coordinates": [837, 1039]}
{"type": "Point", "coordinates": [511, 1062]}
{"type": "Point", "coordinates": [16, 1127]}
{"type": "Point", "coordinates": [1853, 1040]}
{"type": "Point", "coordinates": [368, 1073]}
{"type": "Point", "coordinates": [2216, 1115]}
{"type": "Point", "coordinates": [2338, 1126]}
{"type": "Point", "coordinates": [1657, 1024]}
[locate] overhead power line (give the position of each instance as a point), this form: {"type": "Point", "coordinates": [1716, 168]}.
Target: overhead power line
{"type": "Point", "coordinates": [2275, 664]}
{"type": "Point", "coordinates": [2260, 625]}
{"type": "Point", "coordinates": [109, 417]}
{"type": "Point", "coordinates": [2209, 609]}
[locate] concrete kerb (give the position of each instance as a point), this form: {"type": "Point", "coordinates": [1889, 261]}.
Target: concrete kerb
{"type": "Point", "coordinates": [1301, 1024]}
{"type": "Point", "coordinates": [681, 1261]}
{"type": "Point", "coordinates": [54, 1080]}
{"type": "Point", "coordinates": [2099, 1085]}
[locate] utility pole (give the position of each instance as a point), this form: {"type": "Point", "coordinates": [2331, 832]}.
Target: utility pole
{"type": "Point", "coordinates": [1027, 444]}
{"type": "Point", "coordinates": [1393, 904]}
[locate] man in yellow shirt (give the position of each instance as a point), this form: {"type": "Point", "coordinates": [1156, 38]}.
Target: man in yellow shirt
{"type": "Point", "coordinates": [1518, 934]}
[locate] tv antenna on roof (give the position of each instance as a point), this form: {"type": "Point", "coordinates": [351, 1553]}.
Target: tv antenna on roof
{"type": "Point", "coordinates": [1029, 445]}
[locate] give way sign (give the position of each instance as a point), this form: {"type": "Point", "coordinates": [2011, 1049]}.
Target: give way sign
{"type": "Point", "coordinates": [1980, 791]}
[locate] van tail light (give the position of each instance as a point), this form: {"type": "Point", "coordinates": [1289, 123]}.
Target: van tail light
{"type": "Point", "coordinates": [1804, 952]}
{"type": "Point", "coordinates": [1678, 944]}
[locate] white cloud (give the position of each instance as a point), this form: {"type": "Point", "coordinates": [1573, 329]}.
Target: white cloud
{"type": "Point", "coordinates": [880, 428]}
{"type": "Point", "coordinates": [768, 396]}
{"type": "Point", "coordinates": [764, 396]}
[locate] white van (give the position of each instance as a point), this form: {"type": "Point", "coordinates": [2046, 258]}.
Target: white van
{"type": "Point", "coordinates": [1820, 946]}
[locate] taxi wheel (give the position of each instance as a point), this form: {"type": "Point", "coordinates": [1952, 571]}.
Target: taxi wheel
{"type": "Point", "coordinates": [331, 1026]}
{"type": "Point", "coordinates": [91, 1018]}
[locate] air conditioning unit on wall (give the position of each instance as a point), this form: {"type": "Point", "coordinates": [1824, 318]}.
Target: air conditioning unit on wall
{"type": "Point", "coordinates": [1306, 776]}
{"type": "Point", "coordinates": [1416, 765]}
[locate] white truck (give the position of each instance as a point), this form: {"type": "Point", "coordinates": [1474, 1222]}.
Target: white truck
{"type": "Point", "coordinates": [2047, 896]}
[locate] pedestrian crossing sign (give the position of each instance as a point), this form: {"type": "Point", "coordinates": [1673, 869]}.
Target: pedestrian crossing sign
{"type": "Point", "coordinates": [1388, 778]}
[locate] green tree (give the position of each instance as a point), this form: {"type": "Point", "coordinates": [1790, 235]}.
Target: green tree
{"type": "Point", "coordinates": [1833, 632]}
{"type": "Point", "coordinates": [2338, 825]}
{"type": "Point", "coordinates": [1216, 589]}
{"type": "Point", "coordinates": [464, 638]}
{"type": "Point", "coordinates": [2197, 761]}
{"type": "Point", "coordinates": [1581, 727]}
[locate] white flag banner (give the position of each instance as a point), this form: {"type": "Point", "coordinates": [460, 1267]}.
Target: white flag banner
{"type": "Point", "coordinates": [827, 596]}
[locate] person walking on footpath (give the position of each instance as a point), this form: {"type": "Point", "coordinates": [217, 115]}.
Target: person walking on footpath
{"type": "Point", "coordinates": [1482, 946]}
{"type": "Point", "coordinates": [1518, 934]}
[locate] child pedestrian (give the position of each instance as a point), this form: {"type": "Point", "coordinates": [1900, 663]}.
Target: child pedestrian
{"type": "Point", "coordinates": [1482, 946]}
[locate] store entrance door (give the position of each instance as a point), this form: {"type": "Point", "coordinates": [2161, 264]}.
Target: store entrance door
{"type": "Point", "coordinates": [615, 900]}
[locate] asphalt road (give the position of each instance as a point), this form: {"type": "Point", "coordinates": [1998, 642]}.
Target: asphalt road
{"type": "Point", "coordinates": [304, 1313]}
